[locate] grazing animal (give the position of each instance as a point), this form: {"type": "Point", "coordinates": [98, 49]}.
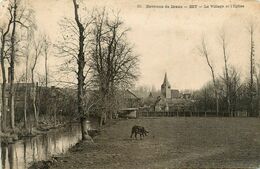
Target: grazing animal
{"type": "Point", "coordinates": [139, 130]}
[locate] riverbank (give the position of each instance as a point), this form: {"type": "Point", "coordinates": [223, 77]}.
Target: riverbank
{"type": "Point", "coordinates": [19, 133]}
{"type": "Point", "coordinates": [172, 143]}
{"type": "Point", "coordinates": [44, 126]}
{"type": "Point", "coordinates": [21, 154]}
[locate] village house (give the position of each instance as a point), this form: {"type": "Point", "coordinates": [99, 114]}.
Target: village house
{"type": "Point", "coordinates": [131, 104]}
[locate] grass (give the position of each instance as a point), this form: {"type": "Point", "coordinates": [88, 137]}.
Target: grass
{"type": "Point", "coordinates": [190, 142]}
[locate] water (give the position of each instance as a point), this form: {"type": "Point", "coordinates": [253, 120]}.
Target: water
{"type": "Point", "coordinates": [22, 153]}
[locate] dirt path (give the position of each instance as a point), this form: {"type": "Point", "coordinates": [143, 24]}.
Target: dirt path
{"type": "Point", "coordinates": [172, 143]}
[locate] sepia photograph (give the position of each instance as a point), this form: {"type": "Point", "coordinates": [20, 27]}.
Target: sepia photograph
{"type": "Point", "coordinates": [129, 84]}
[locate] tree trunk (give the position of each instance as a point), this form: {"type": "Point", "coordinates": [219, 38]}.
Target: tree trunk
{"type": "Point", "coordinates": [205, 53]}
{"type": "Point", "coordinates": [55, 114]}
{"type": "Point", "coordinates": [103, 118]}
{"type": "Point", "coordinates": [258, 105]}
{"type": "Point", "coordinates": [25, 103]}
{"type": "Point", "coordinates": [26, 85]}
{"type": "Point", "coordinates": [81, 65]}
{"type": "Point", "coordinates": [46, 67]}
{"type": "Point", "coordinates": [3, 155]}
{"type": "Point", "coordinates": [12, 58]}
{"type": "Point", "coordinates": [252, 53]}
{"type": "Point", "coordinates": [25, 108]}
{"type": "Point", "coordinates": [258, 93]}
{"type": "Point", "coordinates": [34, 99]}
{"type": "Point", "coordinates": [227, 75]}
{"type": "Point", "coordinates": [3, 42]}
{"type": "Point", "coordinates": [110, 114]}
{"type": "Point", "coordinates": [11, 155]}
{"type": "Point", "coordinates": [258, 99]}
{"type": "Point", "coordinates": [217, 103]}
{"type": "Point", "coordinates": [84, 126]}
{"type": "Point", "coordinates": [3, 124]}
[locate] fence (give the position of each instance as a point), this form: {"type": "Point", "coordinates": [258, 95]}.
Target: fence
{"type": "Point", "coordinates": [185, 114]}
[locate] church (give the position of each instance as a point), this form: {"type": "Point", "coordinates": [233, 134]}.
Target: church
{"type": "Point", "coordinates": [169, 99]}
{"type": "Point", "coordinates": [167, 92]}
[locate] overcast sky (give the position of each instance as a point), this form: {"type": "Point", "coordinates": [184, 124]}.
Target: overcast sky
{"type": "Point", "coordinates": [167, 40]}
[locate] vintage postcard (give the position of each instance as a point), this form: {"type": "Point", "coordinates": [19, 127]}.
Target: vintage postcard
{"type": "Point", "coordinates": [125, 84]}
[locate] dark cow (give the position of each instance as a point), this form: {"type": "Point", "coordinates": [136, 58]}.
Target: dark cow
{"type": "Point", "coordinates": [138, 130]}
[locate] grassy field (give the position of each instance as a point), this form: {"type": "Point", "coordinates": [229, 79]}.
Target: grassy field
{"type": "Point", "coordinates": [172, 143]}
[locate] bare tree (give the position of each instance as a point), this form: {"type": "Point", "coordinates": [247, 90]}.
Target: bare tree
{"type": "Point", "coordinates": [234, 87]}
{"type": "Point", "coordinates": [21, 18]}
{"type": "Point", "coordinates": [37, 51]}
{"type": "Point", "coordinates": [4, 33]}
{"type": "Point", "coordinates": [12, 59]}
{"type": "Point", "coordinates": [251, 30]}
{"type": "Point", "coordinates": [112, 63]}
{"type": "Point", "coordinates": [73, 48]}
{"type": "Point", "coordinates": [46, 48]}
{"type": "Point", "coordinates": [30, 26]}
{"type": "Point", "coordinates": [27, 53]}
{"type": "Point", "coordinates": [204, 52]}
{"type": "Point", "coordinates": [81, 66]}
{"type": "Point", "coordinates": [257, 75]}
{"type": "Point", "coordinates": [226, 75]}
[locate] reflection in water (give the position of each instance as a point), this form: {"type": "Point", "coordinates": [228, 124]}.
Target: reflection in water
{"type": "Point", "coordinates": [24, 152]}
{"type": "Point", "coordinates": [11, 155]}
{"type": "Point", "coordinates": [3, 155]}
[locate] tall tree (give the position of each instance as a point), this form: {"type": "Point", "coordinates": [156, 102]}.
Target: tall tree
{"type": "Point", "coordinates": [28, 23]}
{"type": "Point", "coordinates": [73, 47]}
{"type": "Point", "coordinates": [251, 30]}
{"type": "Point", "coordinates": [27, 53]}
{"type": "Point", "coordinates": [234, 88]}
{"type": "Point", "coordinates": [12, 60]}
{"type": "Point", "coordinates": [37, 51]}
{"type": "Point", "coordinates": [204, 52]}
{"type": "Point", "coordinates": [257, 75]}
{"type": "Point", "coordinates": [112, 62]}
{"type": "Point", "coordinates": [22, 17]}
{"type": "Point", "coordinates": [46, 48]}
{"type": "Point", "coordinates": [81, 66]}
{"type": "Point", "coordinates": [4, 33]}
{"type": "Point", "coordinates": [226, 70]}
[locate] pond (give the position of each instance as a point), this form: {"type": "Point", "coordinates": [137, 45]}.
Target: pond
{"type": "Point", "coordinates": [23, 152]}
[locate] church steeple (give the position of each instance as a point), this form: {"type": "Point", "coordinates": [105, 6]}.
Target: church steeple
{"type": "Point", "coordinates": [166, 87]}
{"type": "Point", "coordinates": [165, 81]}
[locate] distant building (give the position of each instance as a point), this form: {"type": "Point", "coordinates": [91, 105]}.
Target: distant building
{"type": "Point", "coordinates": [169, 99]}
{"type": "Point", "coordinates": [186, 95]}
{"type": "Point", "coordinates": [130, 104]}
{"type": "Point", "coordinates": [166, 90]}
{"type": "Point", "coordinates": [175, 94]}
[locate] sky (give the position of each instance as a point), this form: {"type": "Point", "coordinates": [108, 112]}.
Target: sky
{"type": "Point", "coordinates": [168, 39]}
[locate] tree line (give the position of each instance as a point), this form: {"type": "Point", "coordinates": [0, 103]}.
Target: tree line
{"type": "Point", "coordinates": [228, 93]}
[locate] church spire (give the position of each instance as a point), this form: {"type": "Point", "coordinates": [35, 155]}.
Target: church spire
{"type": "Point", "coordinates": [166, 88]}
{"type": "Point", "coordinates": [165, 81]}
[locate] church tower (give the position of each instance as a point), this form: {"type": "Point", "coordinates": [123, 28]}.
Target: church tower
{"type": "Point", "coordinates": [166, 88]}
